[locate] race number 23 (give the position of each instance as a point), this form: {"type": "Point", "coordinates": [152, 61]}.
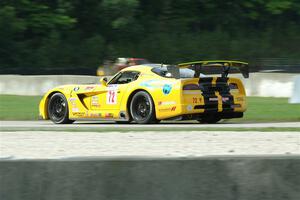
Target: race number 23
{"type": "Point", "coordinates": [111, 97]}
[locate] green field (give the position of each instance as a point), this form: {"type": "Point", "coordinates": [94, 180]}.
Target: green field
{"type": "Point", "coordinates": [260, 109]}
{"type": "Point", "coordinates": [268, 109]}
{"type": "Point", "coordinates": [13, 107]}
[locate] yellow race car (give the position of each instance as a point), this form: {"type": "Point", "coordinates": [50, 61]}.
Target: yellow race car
{"type": "Point", "coordinates": [153, 92]}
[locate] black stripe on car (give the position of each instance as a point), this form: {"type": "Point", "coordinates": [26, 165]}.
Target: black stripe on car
{"type": "Point", "coordinates": [209, 96]}
{"type": "Point", "coordinates": [222, 86]}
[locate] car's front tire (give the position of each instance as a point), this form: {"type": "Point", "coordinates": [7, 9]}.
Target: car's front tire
{"type": "Point", "coordinates": [142, 108]}
{"type": "Point", "coordinates": [58, 110]}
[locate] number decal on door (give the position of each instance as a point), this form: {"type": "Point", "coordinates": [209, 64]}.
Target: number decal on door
{"type": "Point", "coordinates": [111, 97]}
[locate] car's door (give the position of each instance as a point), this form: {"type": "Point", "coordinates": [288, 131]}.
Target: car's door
{"type": "Point", "coordinates": [112, 96]}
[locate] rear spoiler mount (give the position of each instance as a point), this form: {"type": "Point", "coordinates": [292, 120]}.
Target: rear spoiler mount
{"type": "Point", "coordinates": [227, 65]}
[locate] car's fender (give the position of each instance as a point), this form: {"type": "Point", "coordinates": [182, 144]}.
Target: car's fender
{"type": "Point", "coordinates": [157, 94]}
{"type": "Point", "coordinates": [65, 90]}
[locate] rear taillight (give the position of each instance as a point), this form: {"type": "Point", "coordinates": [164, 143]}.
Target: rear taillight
{"type": "Point", "coordinates": [233, 86]}
{"type": "Point", "coordinates": [191, 87]}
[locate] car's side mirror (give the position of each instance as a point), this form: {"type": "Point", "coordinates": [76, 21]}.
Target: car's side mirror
{"type": "Point", "coordinates": [103, 81]}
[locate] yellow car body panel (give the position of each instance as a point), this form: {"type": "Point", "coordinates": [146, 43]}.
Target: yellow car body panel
{"type": "Point", "coordinates": [171, 98]}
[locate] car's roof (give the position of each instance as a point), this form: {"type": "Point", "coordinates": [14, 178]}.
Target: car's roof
{"type": "Point", "coordinates": [141, 68]}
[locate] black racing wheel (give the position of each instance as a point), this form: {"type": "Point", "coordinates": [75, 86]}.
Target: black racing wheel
{"type": "Point", "coordinates": [142, 108]}
{"type": "Point", "coordinates": [58, 110]}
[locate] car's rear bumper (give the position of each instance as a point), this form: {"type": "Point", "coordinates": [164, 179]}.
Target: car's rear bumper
{"type": "Point", "coordinates": [197, 116]}
{"type": "Point", "coordinates": [191, 111]}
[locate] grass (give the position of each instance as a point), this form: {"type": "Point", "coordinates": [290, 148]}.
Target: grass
{"type": "Point", "coordinates": [260, 109]}
{"type": "Point", "coordinates": [14, 107]}
{"type": "Point", "coordinates": [268, 109]}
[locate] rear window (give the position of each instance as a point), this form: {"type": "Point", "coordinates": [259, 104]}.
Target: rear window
{"type": "Point", "coordinates": [183, 72]}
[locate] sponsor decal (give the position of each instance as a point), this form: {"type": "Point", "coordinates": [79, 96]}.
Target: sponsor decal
{"type": "Point", "coordinates": [189, 107]}
{"type": "Point", "coordinates": [164, 103]}
{"type": "Point", "coordinates": [110, 87]}
{"type": "Point", "coordinates": [151, 84]}
{"type": "Point", "coordinates": [224, 99]}
{"type": "Point", "coordinates": [111, 96]}
{"type": "Point", "coordinates": [89, 88]}
{"type": "Point", "coordinates": [76, 89]}
{"type": "Point", "coordinates": [167, 89]}
{"type": "Point", "coordinates": [75, 110]}
{"type": "Point", "coordinates": [155, 84]}
{"type": "Point", "coordinates": [108, 115]}
{"type": "Point", "coordinates": [167, 109]}
{"type": "Point", "coordinates": [95, 115]}
{"type": "Point", "coordinates": [73, 100]}
{"type": "Point", "coordinates": [79, 114]}
{"type": "Point", "coordinates": [95, 101]}
{"type": "Point", "coordinates": [213, 99]}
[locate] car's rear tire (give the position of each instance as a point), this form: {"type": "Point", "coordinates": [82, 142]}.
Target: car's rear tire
{"type": "Point", "coordinates": [142, 108]}
{"type": "Point", "coordinates": [58, 110]}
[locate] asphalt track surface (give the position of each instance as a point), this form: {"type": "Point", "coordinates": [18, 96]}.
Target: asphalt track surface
{"type": "Point", "coordinates": [45, 140]}
{"type": "Point", "coordinates": [167, 124]}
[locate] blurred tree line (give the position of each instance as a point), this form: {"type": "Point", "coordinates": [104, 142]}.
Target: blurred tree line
{"type": "Point", "coordinates": [41, 36]}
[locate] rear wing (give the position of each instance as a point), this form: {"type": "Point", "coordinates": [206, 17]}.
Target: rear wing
{"type": "Point", "coordinates": [227, 66]}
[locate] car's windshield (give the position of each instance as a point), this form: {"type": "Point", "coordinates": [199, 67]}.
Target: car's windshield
{"type": "Point", "coordinates": [124, 77]}
{"type": "Point", "coordinates": [183, 72]}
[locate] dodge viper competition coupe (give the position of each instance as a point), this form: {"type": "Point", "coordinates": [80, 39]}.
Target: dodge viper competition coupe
{"type": "Point", "coordinates": [153, 92]}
